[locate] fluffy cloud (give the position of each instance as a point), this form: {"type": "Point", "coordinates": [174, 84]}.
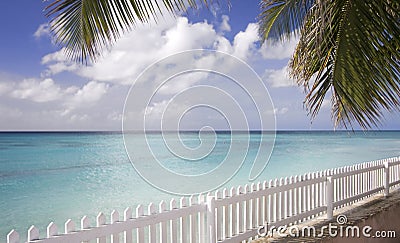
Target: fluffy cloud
{"type": "Point", "coordinates": [42, 30]}
{"type": "Point", "coordinates": [97, 103]}
{"type": "Point", "coordinates": [37, 91]}
{"type": "Point", "coordinates": [138, 49]}
{"type": "Point", "coordinates": [244, 41]}
{"type": "Point", "coordinates": [278, 77]}
{"type": "Point", "coordinates": [224, 26]}
{"type": "Point", "coordinates": [4, 88]}
{"type": "Point", "coordinates": [33, 104]}
{"type": "Point", "coordinates": [281, 111]}
{"type": "Point", "coordinates": [279, 50]}
{"type": "Point", "coordinates": [148, 44]}
{"type": "Point", "coordinates": [58, 62]}
{"type": "Point", "coordinates": [47, 91]}
{"type": "Point", "coordinates": [180, 83]}
{"type": "Point", "coordinates": [134, 52]}
{"type": "Point", "coordinates": [89, 93]}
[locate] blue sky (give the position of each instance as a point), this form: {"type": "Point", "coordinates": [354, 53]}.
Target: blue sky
{"type": "Point", "coordinates": [41, 90]}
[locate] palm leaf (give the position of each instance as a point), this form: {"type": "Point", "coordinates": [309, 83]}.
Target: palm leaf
{"type": "Point", "coordinates": [279, 19]}
{"type": "Point", "coordinates": [351, 48]}
{"type": "Point", "coordinates": [87, 27]}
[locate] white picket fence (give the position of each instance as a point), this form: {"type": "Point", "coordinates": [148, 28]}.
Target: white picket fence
{"type": "Point", "coordinates": [233, 215]}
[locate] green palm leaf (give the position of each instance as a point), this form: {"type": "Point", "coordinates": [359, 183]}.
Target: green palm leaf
{"type": "Point", "coordinates": [87, 27]}
{"type": "Point", "coordinates": [280, 19]}
{"type": "Point", "coordinates": [350, 48]}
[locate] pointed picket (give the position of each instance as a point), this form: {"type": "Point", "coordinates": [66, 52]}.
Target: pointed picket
{"type": "Point", "coordinates": [281, 203]}
{"type": "Point", "coordinates": [241, 207]}
{"type": "Point", "coordinates": [286, 199]}
{"type": "Point", "coordinates": [52, 230]}
{"type": "Point", "coordinates": [173, 223]}
{"type": "Point", "coordinates": [33, 233]}
{"type": "Point", "coordinates": [291, 198]}
{"type": "Point", "coordinates": [202, 221]}
{"type": "Point", "coordinates": [140, 231]}
{"type": "Point", "coordinates": [151, 210]}
{"type": "Point", "coordinates": [13, 237]}
{"type": "Point", "coordinates": [162, 207]}
{"type": "Point", "coordinates": [114, 219]}
{"type": "Point", "coordinates": [219, 217]}
{"type": "Point", "coordinates": [69, 226]}
{"type": "Point", "coordinates": [247, 220]}
{"type": "Point", "coordinates": [193, 222]}
{"type": "Point", "coordinates": [260, 206]}
{"type": "Point", "coordinates": [183, 221]}
{"type": "Point", "coordinates": [225, 218]}
{"type": "Point", "coordinates": [100, 221]}
{"type": "Point", "coordinates": [85, 223]}
{"type": "Point", "coordinates": [127, 213]}
{"type": "Point", "coordinates": [233, 213]}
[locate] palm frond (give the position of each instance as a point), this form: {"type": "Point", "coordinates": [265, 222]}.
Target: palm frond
{"type": "Point", "coordinates": [280, 18]}
{"type": "Point", "coordinates": [87, 27]}
{"type": "Point", "coordinates": [353, 49]}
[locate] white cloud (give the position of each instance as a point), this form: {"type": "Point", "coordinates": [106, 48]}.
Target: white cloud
{"type": "Point", "coordinates": [147, 44]}
{"type": "Point", "coordinates": [98, 104]}
{"type": "Point", "coordinates": [115, 116]}
{"type": "Point", "coordinates": [55, 100]}
{"type": "Point", "coordinates": [79, 118]}
{"type": "Point", "coordinates": [57, 56]}
{"type": "Point", "coordinates": [180, 83]}
{"type": "Point", "coordinates": [58, 62]}
{"type": "Point", "coordinates": [223, 44]}
{"type": "Point", "coordinates": [85, 97]}
{"type": "Point", "coordinates": [91, 92]}
{"type": "Point", "coordinates": [279, 50]}
{"type": "Point", "coordinates": [137, 50]}
{"type": "Point", "coordinates": [163, 114]}
{"type": "Point", "coordinates": [156, 109]}
{"type": "Point", "coordinates": [37, 91]}
{"type": "Point", "coordinates": [185, 35]}
{"type": "Point", "coordinates": [5, 87]}
{"type": "Point", "coordinates": [278, 77]}
{"type": "Point", "coordinates": [42, 30]}
{"type": "Point", "coordinates": [244, 41]}
{"type": "Point", "coordinates": [47, 90]}
{"type": "Point", "coordinates": [224, 26]}
{"type": "Point", "coordinates": [281, 111]}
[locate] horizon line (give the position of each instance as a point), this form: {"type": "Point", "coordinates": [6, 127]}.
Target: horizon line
{"type": "Point", "coordinates": [192, 130]}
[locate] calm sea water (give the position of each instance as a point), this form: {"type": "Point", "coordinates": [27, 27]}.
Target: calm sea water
{"type": "Point", "coordinates": [48, 177]}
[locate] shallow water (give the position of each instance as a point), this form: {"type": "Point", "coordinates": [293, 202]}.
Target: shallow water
{"type": "Point", "coordinates": [48, 177]}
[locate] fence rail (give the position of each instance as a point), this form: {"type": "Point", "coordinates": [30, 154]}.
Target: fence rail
{"type": "Point", "coordinates": [233, 215]}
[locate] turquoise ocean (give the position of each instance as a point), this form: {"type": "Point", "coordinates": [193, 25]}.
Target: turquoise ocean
{"type": "Point", "coordinates": [53, 176]}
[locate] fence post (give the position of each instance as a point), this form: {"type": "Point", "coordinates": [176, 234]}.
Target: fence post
{"type": "Point", "coordinates": [386, 179]}
{"type": "Point", "coordinates": [211, 219]}
{"type": "Point", "coordinates": [329, 197]}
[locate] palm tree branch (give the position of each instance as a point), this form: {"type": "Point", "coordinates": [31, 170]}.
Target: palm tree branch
{"type": "Point", "coordinates": [280, 18]}
{"type": "Point", "coordinates": [369, 45]}
{"type": "Point", "coordinates": [87, 27]}
{"type": "Point", "coordinates": [350, 48]}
